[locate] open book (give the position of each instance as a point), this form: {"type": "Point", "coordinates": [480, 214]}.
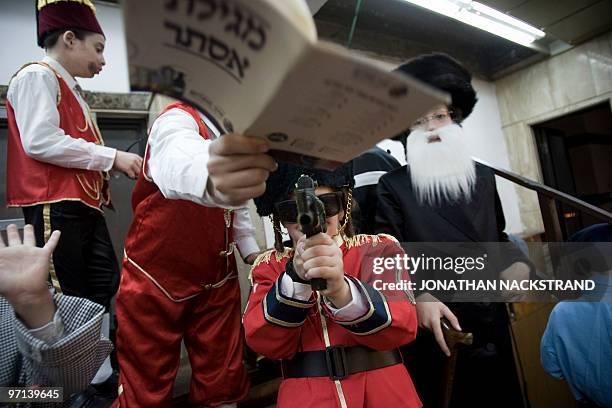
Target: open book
{"type": "Point", "coordinates": [256, 67]}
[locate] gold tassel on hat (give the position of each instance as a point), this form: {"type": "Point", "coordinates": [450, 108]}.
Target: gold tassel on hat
{"type": "Point", "coordinates": [88, 3]}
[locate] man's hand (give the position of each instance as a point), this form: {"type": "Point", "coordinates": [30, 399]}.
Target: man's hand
{"type": "Point", "coordinates": [320, 257]}
{"type": "Point", "coordinates": [128, 163]}
{"type": "Point", "coordinates": [429, 312]}
{"type": "Point", "coordinates": [238, 168]}
{"type": "Point", "coordinates": [24, 269]}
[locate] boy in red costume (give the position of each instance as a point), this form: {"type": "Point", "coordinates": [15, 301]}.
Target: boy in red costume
{"type": "Point", "coordinates": [57, 166]}
{"type": "Point", "coordinates": [339, 346]}
{"type": "Point", "coordinates": [179, 278]}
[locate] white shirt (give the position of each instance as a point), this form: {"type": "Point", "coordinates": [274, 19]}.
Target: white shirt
{"type": "Point", "coordinates": [177, 164]}
{"type": "Point", "coordinates": [33, 96]}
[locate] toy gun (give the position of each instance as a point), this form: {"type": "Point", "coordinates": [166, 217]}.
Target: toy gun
{"type": "Point", "coordinates": [310, 216]}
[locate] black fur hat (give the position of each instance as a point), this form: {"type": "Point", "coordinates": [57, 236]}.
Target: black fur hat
{"type": "Point", "coordinates": [282, 182]}
{"type": "Point", "coordinates": [446, 73]}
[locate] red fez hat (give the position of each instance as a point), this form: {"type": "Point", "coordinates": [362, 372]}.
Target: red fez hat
{"type": "Point", "coordinates": [53, 15]}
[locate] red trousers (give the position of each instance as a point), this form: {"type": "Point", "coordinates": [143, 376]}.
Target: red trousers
{"type": "Point", "coordinates": [150, 330]}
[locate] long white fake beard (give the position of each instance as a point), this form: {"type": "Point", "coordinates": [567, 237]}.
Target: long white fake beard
{"type": "Point", "coordinates": [440, 171]}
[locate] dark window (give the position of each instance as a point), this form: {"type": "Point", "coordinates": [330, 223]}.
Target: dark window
{"type": "Point", "coordinates": [122, 133]}
{"type": "Point", "coordinates": [7, 215]}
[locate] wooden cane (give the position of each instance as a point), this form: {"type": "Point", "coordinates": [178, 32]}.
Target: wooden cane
{"type": "Point", "coordinates": [454, 340]}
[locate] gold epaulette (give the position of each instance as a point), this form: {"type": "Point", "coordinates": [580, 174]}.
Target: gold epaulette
{"type": "Point", "coordinates": [390, 237]}
{"type": "Point", "coordinates": [363, 239]}
{"type": "Point", "coordinates": [265, 257]}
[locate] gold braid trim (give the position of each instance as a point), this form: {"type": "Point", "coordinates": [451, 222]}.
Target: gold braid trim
{"type": "Point", "coordinates": [364, 239]}
{"type": "Point", "coordinates": [266, 257]}
{"type": "Point", "coordinates": [47, 229]}
{"type": "Point", "coordinates": [88, 3]}
{"type": "Point", "coordinates": [94, 192]}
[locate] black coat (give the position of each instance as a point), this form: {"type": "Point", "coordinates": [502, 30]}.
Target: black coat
{"type": "Point", "coordinates": [477, 221]}
{"type": "Point", "coordinates": [401, 215]}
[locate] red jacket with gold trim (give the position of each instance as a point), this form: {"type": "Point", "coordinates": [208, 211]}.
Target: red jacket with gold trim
{"type": "Point", "coordinates": [30, 181]}
{"type": "Point", "coordinates": [179, 244]}
{"type": "Point", "coordinates": [279, 327]}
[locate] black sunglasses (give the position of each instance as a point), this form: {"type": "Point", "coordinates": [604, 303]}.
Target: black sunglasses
{"type": "Point", "coordinates": [288, 213]}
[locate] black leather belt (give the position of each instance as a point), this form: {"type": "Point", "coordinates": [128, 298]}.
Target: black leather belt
{"type": "Point", "coordinates": [338, 362]}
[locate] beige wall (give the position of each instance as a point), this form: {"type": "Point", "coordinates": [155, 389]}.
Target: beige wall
{"type": "Point", "coordinates": [567, 82]}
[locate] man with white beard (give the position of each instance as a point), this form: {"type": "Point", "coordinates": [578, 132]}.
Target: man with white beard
{"type": "Point", "coordinates": [442, 195]}
{"type": "Point", "coordinates": [441, 169]}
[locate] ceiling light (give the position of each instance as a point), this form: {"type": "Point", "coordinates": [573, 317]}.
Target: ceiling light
{"type": "Point", "coordinates": [485, 18]}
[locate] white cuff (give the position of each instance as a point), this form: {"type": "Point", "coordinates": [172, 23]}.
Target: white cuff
{"type": "Point", "coordinates": [247, 245]}
{"type": "Point", "coordinates": [356, 308]}
{"type": "Point", "coordinates": [50, 332]}
{"type": "Point", "coordinates": [103, 158]}
{"type": "Point", "coordinates": [295, 290]}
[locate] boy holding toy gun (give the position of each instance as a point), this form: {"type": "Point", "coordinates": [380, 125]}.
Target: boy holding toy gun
{"type": "Point", "coordinates": [338, 343]}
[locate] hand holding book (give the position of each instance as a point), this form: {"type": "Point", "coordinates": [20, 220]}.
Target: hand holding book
{"type": "Point", "coordinates": [255, 67]}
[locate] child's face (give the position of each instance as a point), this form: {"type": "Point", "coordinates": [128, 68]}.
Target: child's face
{"type": "Point", "coordinates": [88, 55]}
{"type": "Point", "coordinates": [332, 222]}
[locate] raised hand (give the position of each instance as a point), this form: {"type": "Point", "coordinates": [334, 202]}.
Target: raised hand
{"type": "Point", "coordinates": [24, 269]}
